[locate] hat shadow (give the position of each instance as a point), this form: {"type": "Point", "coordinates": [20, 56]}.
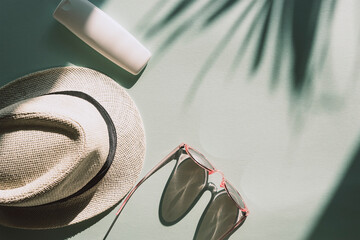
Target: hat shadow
{"type": "Point", "coordinates": [54, 234]}
{"type": "Point", "coordinates": [62, 215]}
{"type": "Point", "coordinates": [32, 40]}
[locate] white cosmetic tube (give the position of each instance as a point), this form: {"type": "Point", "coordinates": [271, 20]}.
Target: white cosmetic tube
{"type": "Point", "coordinates": [103, 33]}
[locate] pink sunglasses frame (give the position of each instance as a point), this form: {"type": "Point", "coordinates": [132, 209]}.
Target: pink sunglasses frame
{"type": "Point", "coordinates": [169, 158]}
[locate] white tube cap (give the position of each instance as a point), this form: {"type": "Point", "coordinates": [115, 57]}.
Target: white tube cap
{"type": "Point", "coordinates": [103, 33]}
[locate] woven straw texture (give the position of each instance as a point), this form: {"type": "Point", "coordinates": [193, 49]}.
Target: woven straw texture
{"type": "Point", "coordinates": [17, 172]}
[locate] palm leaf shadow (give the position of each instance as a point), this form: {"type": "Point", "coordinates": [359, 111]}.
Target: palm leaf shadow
{"type": "Point", "coordinates": [216, 52]}
{"type": "Point", "coordinates": [184, 26]}
{"type": "Point", "coordinates": [305, 19]}
{"type": "Point", "coordinates": [220, 11]}
{"type": "Point", "coordinates": [339, 220]}
{"type": "Point", "coordinates": [177, 10]}
{"type": "Point", "coordinates": [297, 22]}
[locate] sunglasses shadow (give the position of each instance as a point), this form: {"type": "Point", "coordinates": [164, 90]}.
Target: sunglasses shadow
{"type": "Point", "coordinates": [206, 222]}
{"type": "Point", "coordinates": [179, 197]}
{"type": "Point", "coordinates": [185, 205]}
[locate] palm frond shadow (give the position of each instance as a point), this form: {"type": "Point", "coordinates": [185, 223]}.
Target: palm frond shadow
{"type": "Point", "coordinates": [295, 22]}
{"type": "Point", "coordinates": [172, 15]}
{"type": "Point", "coordinates": [339, 219]}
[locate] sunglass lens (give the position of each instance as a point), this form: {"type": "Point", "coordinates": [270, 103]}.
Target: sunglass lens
{"type": "Point", "coordinates": [218, 218]}
{"type": "Point", "coordinates": [235, 195]}
{"type": "Point", "coordinates": [181, 191]}
{"type": "Point", "coordinates": [201, 159]}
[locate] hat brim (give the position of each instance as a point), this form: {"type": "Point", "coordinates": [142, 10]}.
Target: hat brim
{"type": "Point", "coordinates": [129, 155]}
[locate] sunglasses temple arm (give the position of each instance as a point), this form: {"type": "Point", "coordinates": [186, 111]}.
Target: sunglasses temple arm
{"type": "Point", "coordinates": [163, 162]}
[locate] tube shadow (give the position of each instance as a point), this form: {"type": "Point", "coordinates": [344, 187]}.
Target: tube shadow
{"type": "Point", "coordinates": [340, 219]}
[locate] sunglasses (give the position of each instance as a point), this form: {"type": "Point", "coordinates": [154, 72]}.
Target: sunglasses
{"type": "Point", "coordinates": [226, 210]}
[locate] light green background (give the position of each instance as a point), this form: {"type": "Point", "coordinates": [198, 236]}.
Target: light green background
{"type": "Point", "coordinates": [294, 156]}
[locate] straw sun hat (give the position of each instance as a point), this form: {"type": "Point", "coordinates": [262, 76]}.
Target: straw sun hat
{"type": "Point", "coordinates": [72, 145]}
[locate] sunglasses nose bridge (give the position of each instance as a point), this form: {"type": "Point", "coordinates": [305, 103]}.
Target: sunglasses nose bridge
{"type": "Point", "coordinates": [215, 181]}
{"type": "Point", "coordinates": [247, 212]}
{"type": "Point", "coordinates": [222, 183]}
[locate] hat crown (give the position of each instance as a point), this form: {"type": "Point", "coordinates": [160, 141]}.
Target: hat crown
{"type": "Point", "coordinates": [50, 147]}
{"type": "Point", "coordinates": [125, 154]}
